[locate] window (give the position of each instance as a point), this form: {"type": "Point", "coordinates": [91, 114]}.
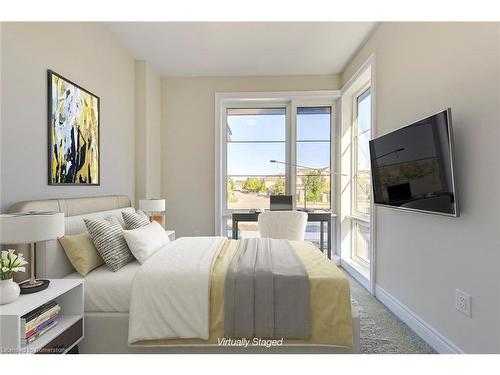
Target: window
{"type": "Point", "coordinates": [361, 173]}
{"type": "Point", "coordinates": [294, 131]}
{"type": "Point", "coordinates": [313, 145]}
{"type": "Point", "coordinates": [254, 136]}
{"type": "Point", "coordinates": [355, 215]}
{"type": "Point", "coordinates": [361, 242]}
{"type": "Point", "coordinates": [361, 191]}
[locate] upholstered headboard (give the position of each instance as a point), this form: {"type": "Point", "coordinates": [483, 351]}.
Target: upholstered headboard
{"type": "Point", "coordinates": [51, 261]}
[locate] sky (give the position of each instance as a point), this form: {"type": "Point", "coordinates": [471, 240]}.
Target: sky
{"type": "Point", "coordinates": [253, 158]}
{"type": "Point", "coordinates": [313, 142]}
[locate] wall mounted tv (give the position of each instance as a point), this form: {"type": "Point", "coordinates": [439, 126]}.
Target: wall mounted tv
{"type": "Point", "coordinates": [412, 167]}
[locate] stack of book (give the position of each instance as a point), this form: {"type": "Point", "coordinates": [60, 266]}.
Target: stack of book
{"type": "Point", "coordinates": [35, 323]}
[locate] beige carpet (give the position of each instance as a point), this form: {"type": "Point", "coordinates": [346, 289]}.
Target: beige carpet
{"type": "Point", "coordinates": [381, 330]}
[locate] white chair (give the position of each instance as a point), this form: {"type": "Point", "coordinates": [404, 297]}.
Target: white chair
{"type": "Point", "coordinates": [290, 225]}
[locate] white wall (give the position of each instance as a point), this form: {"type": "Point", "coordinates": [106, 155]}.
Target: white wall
{"type": "Point", "coordinates": [154, 137]}
{"type": "Point", "coordinates": [140, 130]}
{"type": "Point", "coordinates": [1, 53]}
{"type": "Point", "coordinates": [189, 144]}
{"type": "Point", "coordinates": [147, 131]}
{"type": "Point", "coordinates": [87, 54]}
{"type": "Point", "coordinates": [421, 259]}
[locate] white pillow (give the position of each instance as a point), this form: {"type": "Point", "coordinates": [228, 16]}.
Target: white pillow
{"type": "Point", "coordinates": [145, 241]}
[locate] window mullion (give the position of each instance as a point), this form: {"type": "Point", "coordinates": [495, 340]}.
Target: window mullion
{"type": "Point", "coordinates": [292, 148]}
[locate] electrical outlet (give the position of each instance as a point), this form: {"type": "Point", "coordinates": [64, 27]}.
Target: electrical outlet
{"type": "Point", "coordinates": [463, 302]}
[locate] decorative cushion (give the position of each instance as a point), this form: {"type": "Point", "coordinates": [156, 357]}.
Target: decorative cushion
{"type": "Point", "coordinates": [107, 236]}
{"type": "Point", "coordinates": [81, 252]}
{"type": "Point", "coordinates": [145, 241]}
{"type": "Point", "coordinates": [135, 220]}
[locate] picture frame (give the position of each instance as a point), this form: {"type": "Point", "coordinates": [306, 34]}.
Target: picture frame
{"type": "Point", "coordinates": [73, 119]}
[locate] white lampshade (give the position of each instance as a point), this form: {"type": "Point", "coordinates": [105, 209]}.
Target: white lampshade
{"type": "Point", "coordinates": [22, 228]}
{"type": "Point", "coordinates": [152, 205]}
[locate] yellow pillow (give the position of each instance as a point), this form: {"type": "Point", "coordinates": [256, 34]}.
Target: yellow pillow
{"type": "Point", "coordinates": [81, 252]}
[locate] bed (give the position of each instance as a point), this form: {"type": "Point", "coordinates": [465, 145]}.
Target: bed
{"type": "Point", "coordinates": [108, 294]}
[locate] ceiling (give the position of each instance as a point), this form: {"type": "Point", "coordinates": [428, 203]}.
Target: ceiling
{"type": "Point", "coordinates": [243, 48]}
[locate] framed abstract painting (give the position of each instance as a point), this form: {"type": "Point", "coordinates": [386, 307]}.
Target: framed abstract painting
{"type": "Point", "coordinates": [74, 130]}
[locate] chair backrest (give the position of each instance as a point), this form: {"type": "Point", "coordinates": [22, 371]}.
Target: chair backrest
{"type": "Point", "coordinates": [290, 225]}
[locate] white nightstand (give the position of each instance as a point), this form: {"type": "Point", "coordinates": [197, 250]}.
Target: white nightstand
{"type": "Point", "coordinates": [170, 234]}
{"type": "Point", "coordinates": [61, 338]}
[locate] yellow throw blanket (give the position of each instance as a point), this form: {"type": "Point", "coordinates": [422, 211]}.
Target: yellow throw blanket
{"type": "Point", "coordinates": [331, 319]}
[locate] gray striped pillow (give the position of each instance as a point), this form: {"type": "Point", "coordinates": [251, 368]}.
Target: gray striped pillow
{"type": "Point", "coordinates": [135, 220]}
{"type": "Point", "coordinates": [108, 239]}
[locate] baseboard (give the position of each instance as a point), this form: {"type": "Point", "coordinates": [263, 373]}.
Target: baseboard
{"type": "Point", "coordinates": [355, 273]}
{"type": "Point", "coordinates": [429, 334]}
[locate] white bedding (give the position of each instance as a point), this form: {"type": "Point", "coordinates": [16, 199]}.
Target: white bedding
{"type": "Point", "coordinates": [167, 297]}
{"type": "Point", "coordinates": [171, 291]}
{"type": "Point", "coordinates": [108, 291]}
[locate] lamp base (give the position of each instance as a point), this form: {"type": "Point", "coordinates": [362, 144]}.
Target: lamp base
{"type": "Point", "coordinates": [160, 219]}
{"type": "Point", "coordinates": [28, 287]}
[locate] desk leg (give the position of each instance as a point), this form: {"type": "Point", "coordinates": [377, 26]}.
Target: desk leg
{"type": "Point", "coordinates": [235, 230]}
{"type": "Point", "coordinates": [321, 236]}
{"type": "Point", "coordinates": [329, 227]}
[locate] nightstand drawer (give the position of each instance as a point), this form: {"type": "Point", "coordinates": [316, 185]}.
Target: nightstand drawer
{"type": "Point", "coordinates": [64, 341]}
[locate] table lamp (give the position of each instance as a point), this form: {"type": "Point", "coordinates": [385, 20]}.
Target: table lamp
{"type": "Point", "coordinates": [31, 227]}
{"type": "Point", "coordinates": [154, 208]}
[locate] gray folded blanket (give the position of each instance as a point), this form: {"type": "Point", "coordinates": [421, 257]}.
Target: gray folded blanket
{"type": "Point", "coordinates": [266, 292]}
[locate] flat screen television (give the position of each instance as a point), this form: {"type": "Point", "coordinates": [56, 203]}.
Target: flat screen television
{"type": "Point", "coordinates": [412, 167]}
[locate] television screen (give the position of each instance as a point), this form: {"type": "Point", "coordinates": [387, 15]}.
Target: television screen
{"type": "Point", "coordinates": [412, 167]}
